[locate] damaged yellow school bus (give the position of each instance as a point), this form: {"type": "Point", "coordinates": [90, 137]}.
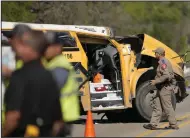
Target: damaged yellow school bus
{"type": "Point", "coordinates": [125, 64]}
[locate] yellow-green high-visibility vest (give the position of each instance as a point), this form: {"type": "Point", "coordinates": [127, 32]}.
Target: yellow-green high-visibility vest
{"type": "Point", "coordinates": [69, 99]}
{"type": "Point", "coordinates": [19, 64]}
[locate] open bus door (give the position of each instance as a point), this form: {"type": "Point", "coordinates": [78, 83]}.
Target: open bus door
{"type": "Point", "coordinates": [77, 57]}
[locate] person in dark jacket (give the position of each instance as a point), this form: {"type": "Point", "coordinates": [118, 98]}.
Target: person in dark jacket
{"type": "Point", "coordinates": [32, 98]}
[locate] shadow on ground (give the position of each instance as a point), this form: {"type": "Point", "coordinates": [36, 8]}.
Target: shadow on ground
{"type": "Point", "coordinates": [129, 116]}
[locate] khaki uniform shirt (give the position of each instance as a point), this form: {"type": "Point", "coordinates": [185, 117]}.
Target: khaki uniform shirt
{"type": "Point", "coordinates": [164, 73]}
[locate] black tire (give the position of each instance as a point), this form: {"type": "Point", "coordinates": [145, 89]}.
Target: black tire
{"type": "Point", "coordinates": [143, 106]}
{"type": "Point", "coordinates": [114, 116]}
{"type": "Point", "coordinates": [126, 115]}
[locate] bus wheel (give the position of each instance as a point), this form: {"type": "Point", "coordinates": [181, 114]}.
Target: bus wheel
{"type": "Point", "coordinates": [144, 95]}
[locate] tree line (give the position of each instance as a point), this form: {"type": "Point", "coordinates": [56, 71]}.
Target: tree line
{"type": "Point", "coordinates": [168, 22]}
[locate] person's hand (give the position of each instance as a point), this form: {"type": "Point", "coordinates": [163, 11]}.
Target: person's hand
{"type": "Point", "coordinates": [58, 125]}
{"type": "Point", "coordinates": [6, 72]}
{"type": "Point", "coordinates": [152, 82]}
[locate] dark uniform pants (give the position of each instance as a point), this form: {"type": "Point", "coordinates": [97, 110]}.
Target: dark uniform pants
{"type": "Point", "coordinates": [161, 102]}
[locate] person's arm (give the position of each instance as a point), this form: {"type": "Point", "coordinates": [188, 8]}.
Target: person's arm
{"type": "Point", "coordinates": [13, 100]}
{"type": "Point", "coordinates": [6, 72]}
{"type": "Point", "coordinates": [60, 75]}
{"type": "Point", "coordinates": [57, 127]}
{"type": "Point", "coordinates": [11, 122]}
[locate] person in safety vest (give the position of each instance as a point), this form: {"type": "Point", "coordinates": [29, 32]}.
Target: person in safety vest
{"type": "Point", "coordinates": [64, 74]}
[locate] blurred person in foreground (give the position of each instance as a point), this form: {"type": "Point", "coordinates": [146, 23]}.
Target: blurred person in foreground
{"type": "Point", "coordinates": [64, 74]}
{"type": "Point", "coordinates": [32, 96]}
{"type": "Point", "coordinates": [10, 61]}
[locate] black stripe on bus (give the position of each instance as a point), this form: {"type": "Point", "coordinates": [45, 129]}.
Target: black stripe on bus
{"type": "Point", "coordinates": [78, 65]}
{"type": "Point", "coordinates": [73, 63]}
{"type": "Point", "coordinates": [70, 49]}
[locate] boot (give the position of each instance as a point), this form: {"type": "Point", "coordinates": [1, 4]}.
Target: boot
{"type": "Point", "coordinates": [172, 127]}
{"type": "Point", "coordinates": [149, 126]}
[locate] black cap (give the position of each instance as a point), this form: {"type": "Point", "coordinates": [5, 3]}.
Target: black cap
{"type": "Point", "coordinates": [51, 38]}
{"type": "Point", "coordinates": [61, 38]}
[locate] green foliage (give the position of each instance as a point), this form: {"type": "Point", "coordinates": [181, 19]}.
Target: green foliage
{"type": "Point", "coordinates": [152, 12]}
{"type": "Point", "coordinates": [166, 21]}
{"type": "Point", "coordinates": [17, 11]}
{"type": "Point", "coordinates": [183, 44]}
{"type": "Point", "coordinates": [187, 58]}
{"type": "Point", "coordinates": [137, 10]}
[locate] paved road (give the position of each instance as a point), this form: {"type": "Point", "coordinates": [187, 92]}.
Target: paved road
{"type": "Point", "coordinates": [135, 129]}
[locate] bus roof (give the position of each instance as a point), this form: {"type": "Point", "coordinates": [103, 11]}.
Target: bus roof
{"type": "Point", "coordinates": [92, 30]}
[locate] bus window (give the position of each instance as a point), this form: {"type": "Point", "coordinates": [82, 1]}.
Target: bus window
{"type": "Point", "coordinates": [66, 39]}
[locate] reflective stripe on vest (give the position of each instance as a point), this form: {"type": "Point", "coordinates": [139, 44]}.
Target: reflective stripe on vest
{"type": "Point", "coordinates": [19, 64]}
